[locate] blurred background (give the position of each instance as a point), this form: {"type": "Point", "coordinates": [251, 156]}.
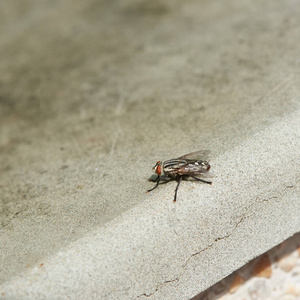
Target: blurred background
{"type": "Point", "coordinates": [93, 93]}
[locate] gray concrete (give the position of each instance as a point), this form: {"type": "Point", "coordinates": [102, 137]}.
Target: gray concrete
{"type": "Point", "coordinates": [94, 93]}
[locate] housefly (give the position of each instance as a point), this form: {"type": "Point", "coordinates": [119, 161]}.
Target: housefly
{"type": "Point", "coordinates": [192, 165]}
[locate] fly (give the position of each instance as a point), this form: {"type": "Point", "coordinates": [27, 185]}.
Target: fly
{"type": "Point", "coordinates": [192, 165]}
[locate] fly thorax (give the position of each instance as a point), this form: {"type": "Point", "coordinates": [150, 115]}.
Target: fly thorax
{"type": "Point", "coordinates": [171, 166]}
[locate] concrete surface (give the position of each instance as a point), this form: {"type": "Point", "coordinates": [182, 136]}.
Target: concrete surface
{"type": "Point", "coordinates": [93, 93]}
{"type": "Point", "coordinates": [273, 275]}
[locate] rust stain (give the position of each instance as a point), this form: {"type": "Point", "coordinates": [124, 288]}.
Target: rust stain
{"type": "Point", "coordinates": [263, 267]}
{"type": "Point", "coordinates": [236, 283]}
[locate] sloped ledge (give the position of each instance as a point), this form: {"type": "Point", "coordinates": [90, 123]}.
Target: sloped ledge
{"type": "Point", "coordinates": [162, 250]}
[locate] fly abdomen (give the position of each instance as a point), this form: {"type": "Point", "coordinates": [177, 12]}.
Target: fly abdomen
{"type": "Point", "coordinates": [197, 166]}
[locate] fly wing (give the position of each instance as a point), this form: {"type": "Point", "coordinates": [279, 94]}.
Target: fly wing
{"type": "Point", "coordinates": [197, 155]}
{"type": "Point", "coordinates": [194, 169]}
{"type": "Point", "coordinates": [204, 175]}
{"type": "Point", "coordinates": [199, 174]}
{"type": "Point", "coordinates": [196, 173]}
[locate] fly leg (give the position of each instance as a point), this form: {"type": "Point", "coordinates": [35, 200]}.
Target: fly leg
{"type": "Point", "coordinates": [157, 182]}
{"type": "Point", "coordinates": [198, 179]}
{"type": "Point", "coordinates": [179, 181]}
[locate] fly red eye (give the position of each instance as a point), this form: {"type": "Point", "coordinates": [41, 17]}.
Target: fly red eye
{"type": "Point", "coordinates": [158, 169]}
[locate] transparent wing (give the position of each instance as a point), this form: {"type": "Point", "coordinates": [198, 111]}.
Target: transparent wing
{"type": "Point", "coordinates": [197, 155]}
{"type": "Point", "coordinates": [204, 175]}
{"type": "Point", "coordinates": [196, 173]}
{"type": "Point", "coordinates": [194, 169]}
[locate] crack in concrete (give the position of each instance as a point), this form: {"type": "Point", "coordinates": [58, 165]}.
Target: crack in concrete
{"type": "Point", "coordinates": [235, 227]}
{"type": "Point", "coordinates": [218, 239]}
{"type": "Point", "coordinates": [273, 197]}
{"type": "Point", "coordinates": [157, 287]}
{"type": "Point", "coordinates": [196, 253]}
{"type": "Point", "coordinates": [187, 261]}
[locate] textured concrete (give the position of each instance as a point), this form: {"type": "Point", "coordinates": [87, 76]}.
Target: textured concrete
{"type": "Point", "coordinates": [94, 93]}
{"type": "Point", "coordinates": [273, 275]}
